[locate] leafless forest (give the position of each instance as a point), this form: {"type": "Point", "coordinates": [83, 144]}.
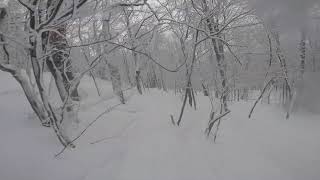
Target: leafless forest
{"type": "Point", "coordinates": [212, 53]}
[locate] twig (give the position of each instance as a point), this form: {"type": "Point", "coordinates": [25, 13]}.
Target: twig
{"type": "Point", "coordinates": [212, 122]}
{"type": "Point", "coordinates": [172, 120]}
{"type": "Point", "coordinates": [97, 118]}
{"type": "Point", "coordinates": [189, 78]}
{"type": "Point", "coordinates": [262, 93]}
{"type": "Point", "coordinates": [118, 135]}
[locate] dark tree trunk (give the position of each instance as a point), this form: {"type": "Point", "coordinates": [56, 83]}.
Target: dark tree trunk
{"type": "Point", "coordinates": [59, 63]}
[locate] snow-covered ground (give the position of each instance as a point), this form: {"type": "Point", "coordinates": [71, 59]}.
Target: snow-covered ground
{"type": "Point", "coordinates": [137, 141]}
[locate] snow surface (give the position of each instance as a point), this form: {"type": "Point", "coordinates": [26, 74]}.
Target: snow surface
{"type": "Point", "coordinates": [307, 90]}
{"type": "Point", "coordinates": [139, 141]}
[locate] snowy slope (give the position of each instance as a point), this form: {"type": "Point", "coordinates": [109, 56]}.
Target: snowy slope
{"type": "Point", "coordinates": [137, 141]}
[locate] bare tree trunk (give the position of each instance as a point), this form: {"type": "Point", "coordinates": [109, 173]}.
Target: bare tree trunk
{"type": "Point", "coordinates": [85, 54]}
{"type": "Point", "coordinates": [134, 54]}
{"type": "Point", "coordinates": [59, 63]}
{"type": "Point", "coordinates": [114, 71]}
{"type": "Point", "coordinates": [29, 91]}
{"type": "Point", "coordinates": [313, 51]}
{"type": "Point", "coordinates": [287, 91]}
{"type": "Point", "coordinates": [302, 52]}
{"type": "Point", "coordinates": [138, 78]}
{"type": "Point", "coordinates": [282, 61]}
{"type": "Point", "coordinates": [162, 80]}
{"type": "Point", "coordinates": [116, 82]}
{"type": "Point", "coordinates": [302, 70]}
{"type": "Point", "coordinates": [188, 93]}
{"type": "Point", "coordinates": [35, 52]}
{"type": "Point", "coordinates": [218, 48]}
{"type": "Point", "coordinates": [37, 71]}
{"type": "Point", "coordinates": [127, 69]}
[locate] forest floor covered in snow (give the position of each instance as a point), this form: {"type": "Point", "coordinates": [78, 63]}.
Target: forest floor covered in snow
{"type": "Point", "coordinates": [137, 141]}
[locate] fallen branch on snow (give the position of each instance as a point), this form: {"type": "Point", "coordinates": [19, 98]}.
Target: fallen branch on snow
{"type": "Point", "coordinates": [90, 124]}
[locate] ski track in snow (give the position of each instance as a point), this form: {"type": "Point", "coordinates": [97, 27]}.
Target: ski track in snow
{"type": "Point", "coordinates": [145, 145]}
